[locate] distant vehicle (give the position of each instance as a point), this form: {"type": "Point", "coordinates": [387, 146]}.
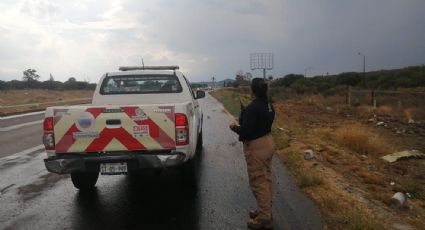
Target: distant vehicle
{"type": "Point", "coordinates": [140, 117]}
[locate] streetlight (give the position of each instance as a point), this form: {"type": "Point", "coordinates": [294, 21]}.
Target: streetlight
{"type": "Point", "coordinates": [213, 80]}
{"type": "Point", "coordinates": [364, 62]}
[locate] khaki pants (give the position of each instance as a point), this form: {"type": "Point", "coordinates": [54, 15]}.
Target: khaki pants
{"type": "Point", "coordinates": [258, 155]}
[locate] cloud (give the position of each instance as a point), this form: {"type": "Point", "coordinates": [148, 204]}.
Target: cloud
{"type": "Point", "coordinates": [39, 8]}
{"type": "Point", "coordinates": [86, 38]}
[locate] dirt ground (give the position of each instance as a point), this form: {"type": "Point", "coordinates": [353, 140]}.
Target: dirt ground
{"type": "Point", "coordinates": [29, 100]}
{"type": "Point", "coordinates": [348, 143]}
{"type": "Point", "coordinates": [347, 177]}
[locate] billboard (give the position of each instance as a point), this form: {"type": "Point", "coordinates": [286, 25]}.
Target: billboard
{"type": "Point", "coordinates": [261, 61]}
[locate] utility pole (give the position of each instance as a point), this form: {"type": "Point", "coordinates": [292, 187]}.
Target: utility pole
{"type": "Point", "coordinates": [364, 63]}
{"type": "Point", "coordinates": [213, 80]}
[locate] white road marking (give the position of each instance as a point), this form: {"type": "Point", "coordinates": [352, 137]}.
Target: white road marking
{"type": "Point", "coordinates": [13, 127]}
{"type": "Point", "coordinates": [21, 115]}
{"type": "Point", "coordinates": [32, 113]}
{"type": "Point", "coordinates": [23, 152]}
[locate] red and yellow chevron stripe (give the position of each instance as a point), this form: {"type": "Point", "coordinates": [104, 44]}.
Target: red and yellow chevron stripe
{"type": "Point", "coordinates": [98, 129]}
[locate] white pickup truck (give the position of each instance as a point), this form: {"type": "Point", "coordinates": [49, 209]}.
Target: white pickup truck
{"type": "Point", "coordinates": [140, 117]}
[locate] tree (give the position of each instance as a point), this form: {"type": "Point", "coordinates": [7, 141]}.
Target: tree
{"type": "Point", "coordinates": [30, 75]}
{"type": "Point", "coordinates": [71, 83]}
{"type": "Point", "coordinates": [288, 80]}
{"type": "Point", "coordinates": [72, 80]}
{"type": "Point", "coordinates": [240, 73]}
{"type": "Point", "coordinates": [51, 82]}
{"type": "Point", "coordinates": [242, 79]}
{"type": "Point", "coordinates": [3, 85]}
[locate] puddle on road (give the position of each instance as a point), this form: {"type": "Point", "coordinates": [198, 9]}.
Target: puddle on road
{"type": "Point", "coordinates": [30, 191]}
{"type": "Point", "coordinates": [4, 190]}
{"type": "Point", "coordinates": [9, 162]}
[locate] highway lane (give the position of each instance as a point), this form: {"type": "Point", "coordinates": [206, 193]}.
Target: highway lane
{"type": "Point", "coordinates": [32, 198]}
{"type": "Point", "coordinates": [20, 118]}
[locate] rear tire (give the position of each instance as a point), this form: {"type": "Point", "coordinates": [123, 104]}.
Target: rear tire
{"type": "Point", "coordinates": [84, 180]}
{"type": "Point", "coordinates": [199, 143]}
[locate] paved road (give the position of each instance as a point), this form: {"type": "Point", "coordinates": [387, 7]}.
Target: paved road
{"type": "Point", "coordinates": [14, 137]}
{"type": "Point", "coordinates": [32, 198]}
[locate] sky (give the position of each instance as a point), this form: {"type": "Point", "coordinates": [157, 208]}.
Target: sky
{"type": "Point", "coordinates": [87, 38]}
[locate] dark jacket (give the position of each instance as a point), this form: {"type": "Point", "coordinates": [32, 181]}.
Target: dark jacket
{"type": "Point", "coordinates": [255, 120]}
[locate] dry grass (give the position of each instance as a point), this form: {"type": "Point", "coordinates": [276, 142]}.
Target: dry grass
{"type": "Point", "coordinates": [417, 113]}
{"type": "Point", "coordinates": [230, 98]}
{"type": "Point", "coordinates": [347, 179]}
{"type": "Point", "coordinates": [309, 179]}
{"type": "Point", "coordinates": [341, 210]}
{"type": "Point", "coordinates": [36, 99]}
{"type": "Point", "coordinates": [361, 140]}
{"type": "Point", "coordinates": [365, 111]}
{"type": "Point", "coordinates": [17, 97]}
{"type": "Point", "coordinates": [385, 111]}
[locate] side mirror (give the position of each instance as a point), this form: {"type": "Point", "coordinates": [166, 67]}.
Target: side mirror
{"type": "Point", "coordinates": [200, 94]}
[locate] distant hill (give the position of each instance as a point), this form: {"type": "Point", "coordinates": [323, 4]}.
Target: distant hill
{"type": "Point", "coordinates": [216, 84]}
{"type": "Point", "coordinates": [408, 77]}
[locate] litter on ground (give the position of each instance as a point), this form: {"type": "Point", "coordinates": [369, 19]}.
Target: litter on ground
{"type": "Point", "coordinates": [403, 154]}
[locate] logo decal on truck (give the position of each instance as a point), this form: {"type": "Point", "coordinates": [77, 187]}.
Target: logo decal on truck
{"type": "Point", "coordinates": [162, 110]}
{"type": "Point", "coordinates": [84, 135]}
{"type": "Point", "coordinates": [141, 130]}
{"type": "Point", "coordinates": [140, 115]}
{"type": "Point", "coordinates": [85, 121]}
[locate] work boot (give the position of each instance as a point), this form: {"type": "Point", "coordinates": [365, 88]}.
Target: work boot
{"type": "Point", "coordinates": [253, 213]}
{"type": "Point", "coordinates": [258, 223]}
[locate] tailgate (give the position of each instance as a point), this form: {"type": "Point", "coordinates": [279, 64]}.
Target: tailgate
{"type": "Point", "coordinates": [127, 128]}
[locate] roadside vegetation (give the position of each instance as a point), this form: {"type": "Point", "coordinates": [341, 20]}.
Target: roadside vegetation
{"type": "Point", "coordinates": [29, 100]}
{"type": "Point", "coordinates": [30, 94]}
{"type": "Point", "coordinates": [347, 178]}
{"type": "Point", "coordinates": [409, 77]}
{"type": "Point", "coordinates": [30, 80]}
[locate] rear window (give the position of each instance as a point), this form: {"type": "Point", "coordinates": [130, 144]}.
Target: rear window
{"type": "Point", "coordinates": [140, 84]}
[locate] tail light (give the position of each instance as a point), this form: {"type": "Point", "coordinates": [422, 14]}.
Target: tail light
{"type": "Point", "coordinates": [182, 129]}
{"type": "Point", "coordinates": [48, 137]}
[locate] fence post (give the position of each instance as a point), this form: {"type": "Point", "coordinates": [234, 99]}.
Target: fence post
{"type": "Point", "coordinates": [349, 96]}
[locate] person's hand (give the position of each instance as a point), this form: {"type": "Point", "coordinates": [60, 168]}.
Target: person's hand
{"type": "Point", "coordinates": [233, 123]}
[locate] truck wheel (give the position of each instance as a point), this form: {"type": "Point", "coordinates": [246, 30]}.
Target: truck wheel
{"type": "Point", "coordinates": [199, 143]}
{"type": "Point", "coordinates": [84, 180]}
{"type": "Point", "coordinates": [189, 172]}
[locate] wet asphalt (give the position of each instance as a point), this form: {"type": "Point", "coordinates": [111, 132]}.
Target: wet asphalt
{"type": "Point", "coordinates": [218, 197]}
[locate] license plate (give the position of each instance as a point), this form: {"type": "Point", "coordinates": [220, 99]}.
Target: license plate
{"type": "Point", "coordinates": [113, 168]}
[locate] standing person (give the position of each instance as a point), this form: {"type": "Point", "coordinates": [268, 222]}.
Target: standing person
{"type": "Point", "coordinates": [254, 129]}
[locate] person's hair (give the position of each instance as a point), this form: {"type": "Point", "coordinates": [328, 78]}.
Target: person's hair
{"type": "Point", "coordinates": [259, 88]}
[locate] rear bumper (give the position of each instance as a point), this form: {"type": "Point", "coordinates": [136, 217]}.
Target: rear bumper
{"type": "Point", "coordinates": [69, 163]}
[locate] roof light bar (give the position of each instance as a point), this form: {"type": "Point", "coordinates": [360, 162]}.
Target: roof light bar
{"type": "Point", "coordinates": [128, 68]}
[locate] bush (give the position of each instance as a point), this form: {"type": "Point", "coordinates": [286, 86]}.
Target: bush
{"type": "Point", "coordinates": [408, 77]}
{"type": "Point", "coordinates": [308, 179]}
{"type": "Point", "coordinates": [361, 140]}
